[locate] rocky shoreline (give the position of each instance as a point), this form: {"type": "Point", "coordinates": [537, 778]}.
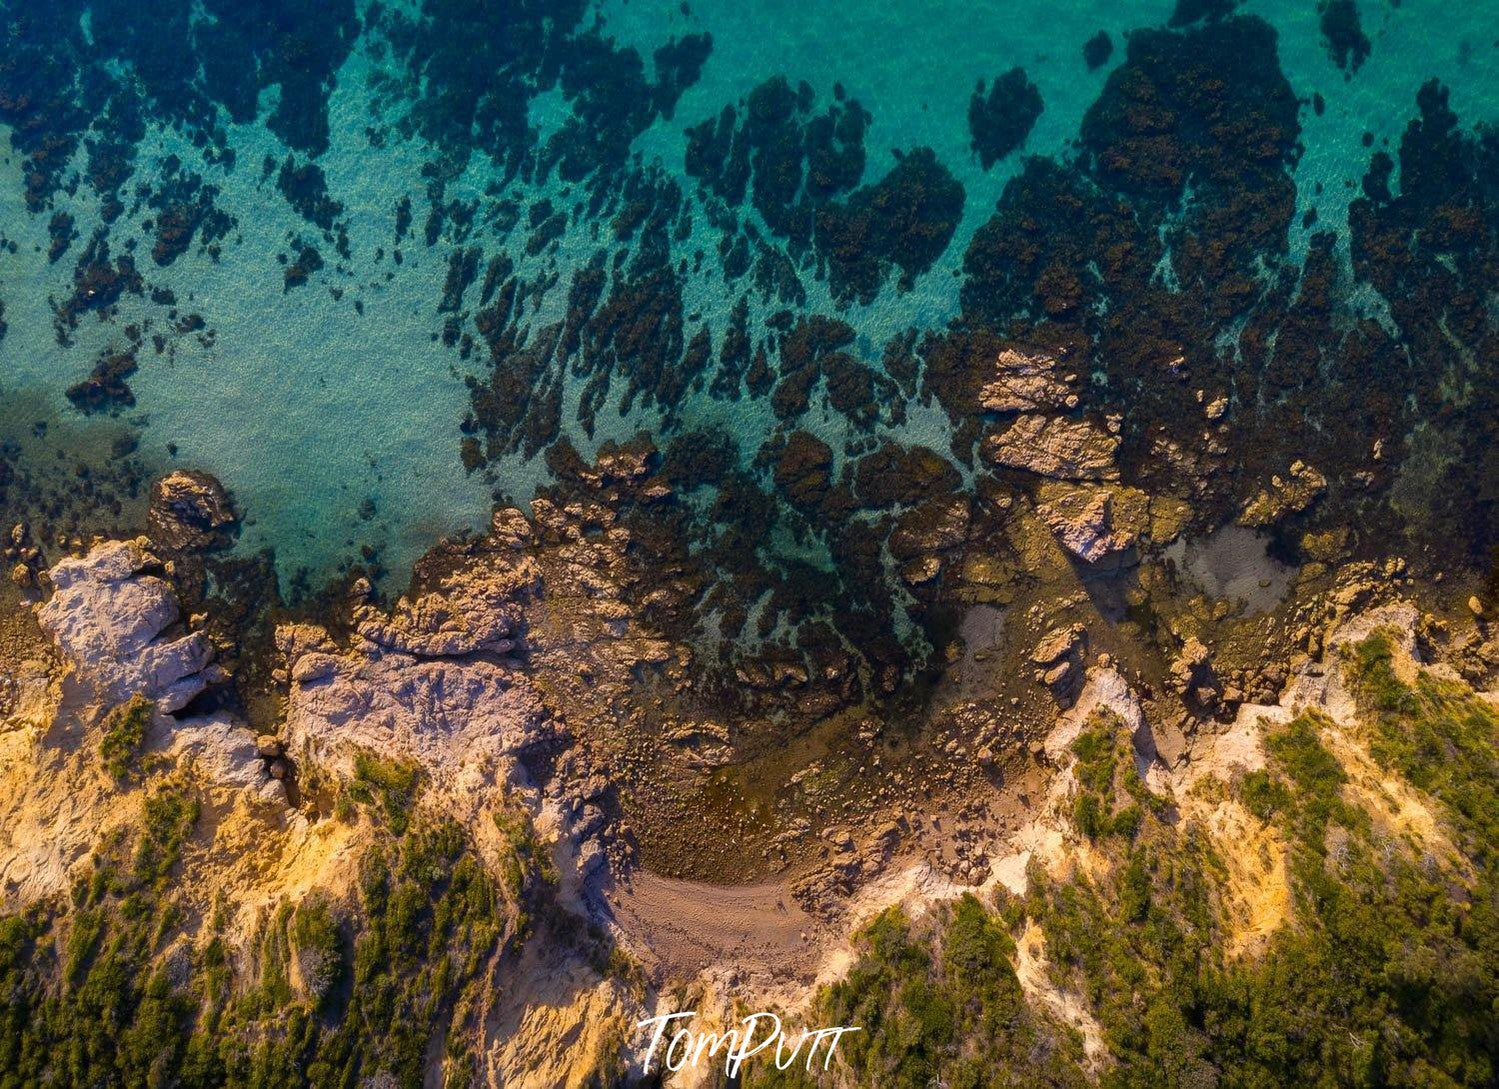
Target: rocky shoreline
{"type": "Point", "coordinates": [858, 644]}
{"type": "Point", "coordinates": [510, 675]}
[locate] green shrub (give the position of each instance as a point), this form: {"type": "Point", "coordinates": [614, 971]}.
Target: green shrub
{"type": "Point", "coordinates": [1106, 774]}
{"type": "Point", "coordinates": [124, 729]}
{"type": "Point", "coordinates": [1437, 734]}
{"type": "Point", "coordinates": [391, 785]}
{"type": "Point", "coordinates": [170, 814]}
{"type": "Point", "coordinates": [1263, 795]}
{"type": "Point", "coordinates": [426, 929]}
{"type": "Point", "coordinates": [317, 946]}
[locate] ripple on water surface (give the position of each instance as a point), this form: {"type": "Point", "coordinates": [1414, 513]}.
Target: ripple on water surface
{"type": "Point", "coordinates": [336, 424]}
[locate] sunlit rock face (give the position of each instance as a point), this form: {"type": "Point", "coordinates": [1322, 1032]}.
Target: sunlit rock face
{"type": "Point", "coordinates": [113, 617]}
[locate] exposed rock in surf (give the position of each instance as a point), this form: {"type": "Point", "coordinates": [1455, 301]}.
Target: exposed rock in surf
{"type": "Point", "coordinates": [1025, 381]}
{"type": "Point", "coordinates": [1056, 447]}
{"type": "Point", "coordinates": [188, 511]}
{"type": "Point", "coordinates": [1085, 523]}
{"type": "Point", "coordinates": [1286, 495]}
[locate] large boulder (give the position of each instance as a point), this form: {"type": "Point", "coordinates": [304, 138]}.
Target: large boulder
{"type": "Point", "coordinates": [189, 511]}
{"type": "Point", "coordinates": [113, 619]}
{"type": "Point", "coordinates": [224, 752]}
{"type": "Point", "coordinates": [1055, 447]}
{"type": "Point", "coordinates": [1025, 382]}
{"type": "Point", "coordinates": [1286, 495]}
{"type": "Point", "coordinates": [1094, 523]}
{"type": "Point", "coordinates": [463, 720]}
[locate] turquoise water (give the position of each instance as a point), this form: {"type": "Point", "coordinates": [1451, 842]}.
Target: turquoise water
{"type": "Point", "coordinates": [335, 429]}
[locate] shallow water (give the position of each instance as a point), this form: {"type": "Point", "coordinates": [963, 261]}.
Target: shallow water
{"type": "Point", "coordinates": [1234, 564]}
{"type": "Point", "coordinates": [336, 429]}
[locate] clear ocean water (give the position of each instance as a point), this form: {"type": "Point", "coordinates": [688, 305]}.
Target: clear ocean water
{"type": "Point", "coordinates": [336, 428]}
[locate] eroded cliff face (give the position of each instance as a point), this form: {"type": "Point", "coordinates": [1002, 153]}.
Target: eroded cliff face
{"type": "Point", "coordinates": [382, 845]}
{"type": "Point", "coordinates": [443, 809]}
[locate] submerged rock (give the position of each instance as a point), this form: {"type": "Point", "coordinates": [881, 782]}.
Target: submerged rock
{"type": "Point", "coordinates": [1097, 50]}
{"type": "Point", "coordinates": [1002, 118]}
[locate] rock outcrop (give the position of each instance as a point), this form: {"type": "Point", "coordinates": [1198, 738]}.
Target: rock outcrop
{"type": "Point", "coordinates": [1290, 494]}
{"type": "Point", "coordinates": [1025, 382]}
{"type": "Point", "coordinates": [189, 510]}
{"type": "Point", "coordinates": [1055, 447]}
{"type": "Point", "coordinates": [224, 752]}
{"type": "Point", "coordinates": [459, 611]}
{"type": "Point", "coordinates": [459, 719]}
{"type": "Point", "coordinates": [444, 680]}
{"type": "Point", "coordinates": [1093, 523]}
{"type": "Point", "coordinates": [116, 621]}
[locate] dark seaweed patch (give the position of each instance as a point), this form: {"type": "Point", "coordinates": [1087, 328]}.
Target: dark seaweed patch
{"type": "Point", "coordinates": [185, 210]}
{"type": "Point", "coordinates": [1344, 33]}
{"type": "Point", "coordinates": [161, 62]}
{"type": "Point", "coordinates": [1001, 119]}
{"type": "Point", "coordinates": [308, 260]}
{"type": "Point", "coordinates": [105, 387]}
{"type": "Point", "coordinates": [306, 189]}
{"type": "Point", "coordinates": [1188, 12]}
{"type": "Point", "coordinates": [1097, 50]}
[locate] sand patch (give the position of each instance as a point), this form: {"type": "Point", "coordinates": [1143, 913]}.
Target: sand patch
{"type": "Point", "coordinates": [1035, 982]}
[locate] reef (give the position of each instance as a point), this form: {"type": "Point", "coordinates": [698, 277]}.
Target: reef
{"type": "Point", "coordinates": [1344, 33]}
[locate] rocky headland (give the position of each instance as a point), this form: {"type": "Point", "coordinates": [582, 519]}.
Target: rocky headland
{"type": "Point", "coordinates": [644, 838]}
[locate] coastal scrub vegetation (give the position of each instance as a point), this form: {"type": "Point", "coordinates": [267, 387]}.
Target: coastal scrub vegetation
{"type": "Point", "coordinates": [1385, 973]}
{"type": "Point", "coordinates": [124, 729]}
{"type": "Point", "coordinates": [389, 784]}
{"type": "Point", "coordinates": [117, 984]}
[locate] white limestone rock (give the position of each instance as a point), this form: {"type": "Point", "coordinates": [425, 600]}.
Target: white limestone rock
{"type": "Point", "coordinates": [462, 720]}
{"type": "Point", "coordinates": [108, 616]}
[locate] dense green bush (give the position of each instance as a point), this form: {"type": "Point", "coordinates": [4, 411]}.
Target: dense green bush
{"type": "Point", "coordinates": [391, 785]}
{"type": "Point", "coordinates": [1438, 735]}
{"type": "Point", "coordinates": [1387, 973]}
{"type": "Point", "coordinates": [1111, 798]}
{"type": "Point", "coordinates": [124, 729]}
{"type": "Point", "coordinates": [105, 989]}
{"type": "Point", "coordinates": [936, 1003]}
